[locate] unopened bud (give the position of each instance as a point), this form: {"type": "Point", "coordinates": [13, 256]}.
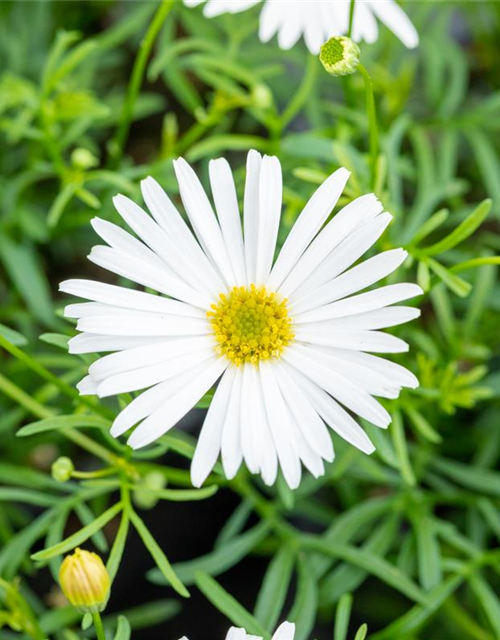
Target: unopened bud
{"type": "Point", "coordinates": [62, 469]}
{"type": "Point", "coordinates": [340, 56]}
{"type": "Point", "coordinates": [85, 581]}
{"type": "Point", "coordinates": [82, 158]}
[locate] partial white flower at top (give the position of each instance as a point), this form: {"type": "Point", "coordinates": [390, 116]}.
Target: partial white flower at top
{"type": "Point", "coordinates": [286, 631]}
{"type": "Point", "coordinates": [319, 20]}
{"type": "Point", "coordinates": [289, 341]}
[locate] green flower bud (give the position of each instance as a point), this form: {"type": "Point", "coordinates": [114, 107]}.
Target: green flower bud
{"type": "Point", "coordinates": [144, 495]}
{"type": "Point", "coordinates": [85, 581]}
{"type": "Point", "coordinates": [62, 469]}
{"type": "Point", "coordinates": [340, 56]}
{"type": "Point", "coordinates": [83, 159]}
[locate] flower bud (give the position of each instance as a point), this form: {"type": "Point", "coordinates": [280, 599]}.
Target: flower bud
{"type": "Point", "coordinates": [62, 469]}
{"type": "Point", "coordinates": [82, 158]}
{"type": "Point", "coordinates": [144, 495]}
{"type": "Point", "coordinates": [340, 56]}
{"type": "Point", "coordinates": [85, 581]}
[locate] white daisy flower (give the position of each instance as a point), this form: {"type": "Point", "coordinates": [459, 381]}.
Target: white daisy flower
{"type": "Point", "coordinates": [291, 341]}
{"type": "Point", "coordinates": [319, 20]}
{"type": "Point", "coordinates": [286, 631]}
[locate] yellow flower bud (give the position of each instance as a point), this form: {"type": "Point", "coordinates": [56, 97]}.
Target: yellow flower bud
{"type": "Point", "coordinates": [340, 56]}
{"type": "Point", "coordinates": [85, 581]}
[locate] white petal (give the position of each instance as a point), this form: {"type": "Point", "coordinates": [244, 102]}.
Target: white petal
{"type": "Point", "coordinates": [271, 18]}
{"type": "Point", "coordinates": [120, 239]}
{"type": "Point", "coordinates": [231, 453]}
{"type": "Point", "coordinates": [123, 297]}
{"type": "Point", "coordinates": [135, 358]}
{"type": "Point", "coordinates": [337, 385]}
{"type": "Point", "coordinates": [226, 203]}
{"type": "Point", "coordinates": [172, 223]}
{"type": "Point", "coordinates": [349, 251]}
{"type": "Point", "coordinates": [268, 455]}
{"type": "Point", "coordinates": [87, 387]}
{"type": "Point", "coordinates": [310, 424]}
{"type": "Point", "coordinates": [374, 341]}
{"type": "Point", "coordinates": [142, 377]}
{"type": "Point", "coordinates": [203, 219]}
{"type": "Point", "coordinates": [149, 401]}
{"type": "Point", "coordinates": [285, 631]}
{"type": "Point", "coordinates": [394, 373]}
{"type": "Point", "coordinates": [377, 319]}
{"type": "Point", "coordinates": [280, 424]}
{"type": "Point", "coordinates": [270, 198]}
{"type": "Point", "coordinates": [143, 323]}
{"type": "Point", "coordinates": [352, 216]}
{"type": "Point", "coordinates": [332, 413]}
{"type": "Point", "coordinates": [391, 14]}
{"type": "Point", "coordinates": [176, 407]}
{"type": "Point", "coordinates": [93, 343]}
{"type": "Point", "coordinates": [248, 420]}
{"type": "Point", "coordinates": [356, 279]}
{"type": "Point", "coordinates": [291, 29]}
{"type": "Point", "coordinates": [165, 247]}
{"type": "Point", "coordinates": [149, 275]}
{"type": "Point", "coordinates": [307, 226]}
{"type": "Point", "coordinates": [364, 24]}
{"type": "Point", "coordinates": [377, 299]}
{"type": "Point", "coordinates": [251, 213]}
{"type": "Point", "coordinates": [209, 441]}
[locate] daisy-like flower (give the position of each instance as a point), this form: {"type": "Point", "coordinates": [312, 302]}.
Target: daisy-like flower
{"type": "Point", "coordinates": [319, 20]}
{"type": "Point", "coordinates": [290, 341]}
{"type": "Point", "coordinates": [286, 631]}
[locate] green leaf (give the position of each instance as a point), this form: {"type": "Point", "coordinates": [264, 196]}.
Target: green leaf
{"type": "Point", "coordinates": [57, 339]}
{"type": "Point", "coordinates": [399, 440]}
{"type": "Point", "coordinates": [219, 560]}
{"type": "Point", "coordinates": [63, 422]}
{"type": "Point", "coordinates": [116, 553]}
{"type": "Point", "coordinates": [305, 606]}
{"type": "Point", "coordinates": [30, 281]}
{"type": "Point", "coordinates": [80, 536]}
{"type": "Point", "coordinates": [488, 600]}
{"type": "Point", "coordinates": [453, 282]}
{"type": "Point", "coordinates": [361, 633]}
{"type": "Point", "coordinates": [428, 550]}
{"type": "Point", "coordinates": [342, 617]}
{"type": "Point", "coordinates": [275, 587]}
{"type": "Point", "coordinates": [227, 605]}
{"type": "Point", "coordinates": [430, 225]}
{"type": "Point", "coordinates": [123, 630]}
{"type": "Point", "coordinates": [462, 232]}
{"type": "Point", "coordinates": [468, 476]}
{"type": "Point", "coordinates": [13, 336]}
{"type": "Point", "coordinates": [158, 556]}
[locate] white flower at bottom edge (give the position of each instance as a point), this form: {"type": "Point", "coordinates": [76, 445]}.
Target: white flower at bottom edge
{"type": "Point", "coordinates": [286, 631]}
{"type": "Point", "coordinates": [319, 20]}
{"type": "Point", "coordinates": [289, 341]}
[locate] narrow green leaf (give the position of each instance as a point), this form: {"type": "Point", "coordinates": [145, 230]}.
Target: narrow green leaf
{"type": "Point", "coordinates": [63, 422]}
{"type": "Point", "coordinates": [229, 606]}
{"type": "Point", "coordinates": [80, 536]}
{"type": "Point", "coordinates": [462, 232]}
{"type": "Point", "coordinates": [342, 617]}
{"type": "Point", "coordinates": [430, 225]}
{"type": "Point", "coordinates": [453, 282]}
{"type": "Point", "coordinates": [488, 600]}
{"type": "Point", "coordinates": [305, 607]}
{"type": "Point", "coordinates": [361, 633]}
{"type": "Point", "coordinates": [157, 554]}
{"type": "Point", "coordinates": [399, 440]}
{"type": "Point", "coordinates": [13, 336]}
{"type": "Point", "coordinates": [275, 587]}
{"type": "Point", "coordinates": [116, 553]}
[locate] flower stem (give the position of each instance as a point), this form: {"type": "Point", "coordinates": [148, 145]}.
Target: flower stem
{"type": "Point", "coordinates": [351, 18]}
{"type": "Point", "coordinates": [372, 122]}
{"type": "Point", "coordinates": [136, 81]}
{"type": "Point", "coordinates": [99, 629]}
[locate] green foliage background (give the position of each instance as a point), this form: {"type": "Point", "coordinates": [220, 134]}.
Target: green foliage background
{"type": "Point", "coordinates": [411, 532]}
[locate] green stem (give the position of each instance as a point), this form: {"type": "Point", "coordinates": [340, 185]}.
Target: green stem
{"type": "Point", "coordinates": [99, 629]}
{"type": "Point", "coordinates": [44, 373]}
{"type": "Point", "coordinates": [351, 18]}
{"type": "Point", "coordinates": [90, 445]}
{"type": "Point", "coordinates": [372, 121]}
{"type": "Point", "coordinates": [22, 398]}
{"type": "Point", "coordinates": [136, 81]}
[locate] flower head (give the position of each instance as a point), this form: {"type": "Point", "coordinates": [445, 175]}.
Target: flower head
{"type": "Point", "coordinates": [289, 340]}
{"type": "Point", "coordinates": [340, 56]}
{"type": "Point", "coordinates": [319, 20]}
{"type": "Point", "coordinates": [85, 581]}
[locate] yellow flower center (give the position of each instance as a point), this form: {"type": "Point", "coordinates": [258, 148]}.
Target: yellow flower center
{"type": "Point", "coordinates": [250, 324]}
